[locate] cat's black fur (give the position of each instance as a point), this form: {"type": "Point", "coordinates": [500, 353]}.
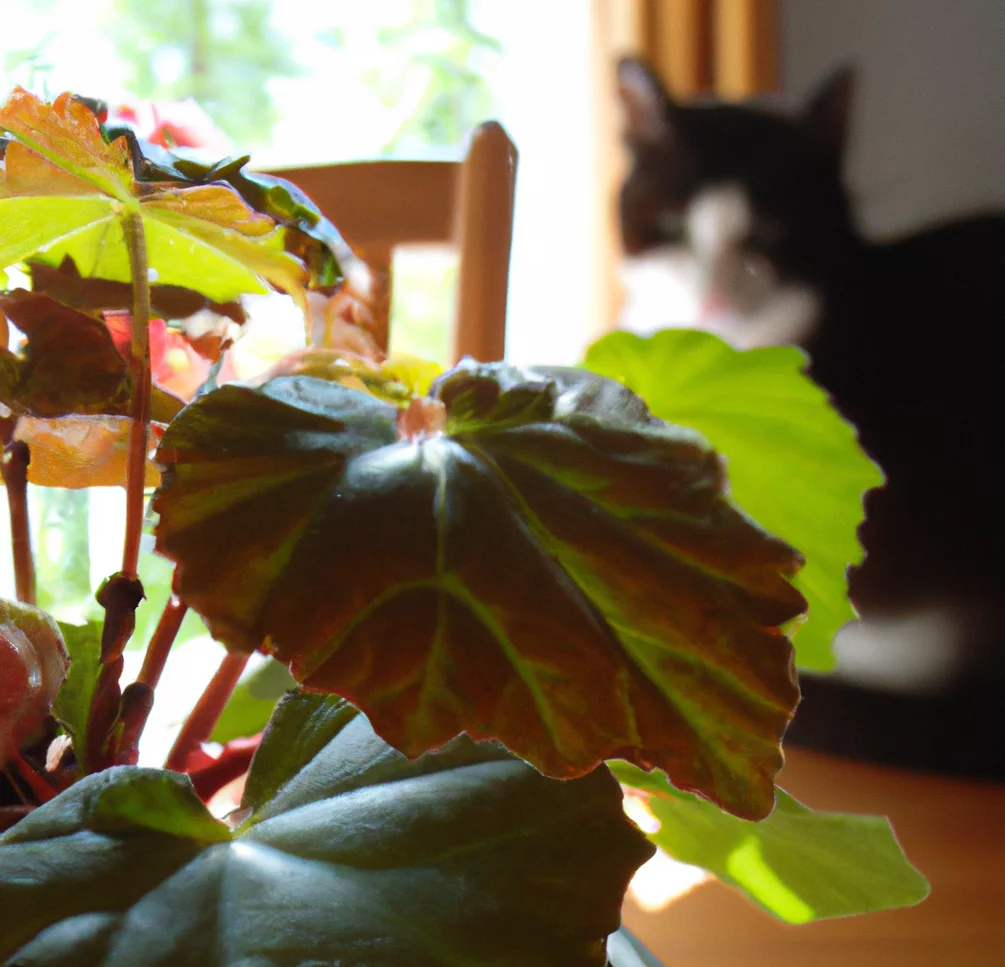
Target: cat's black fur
{"type": "Point", "coordinates": [906, 344]}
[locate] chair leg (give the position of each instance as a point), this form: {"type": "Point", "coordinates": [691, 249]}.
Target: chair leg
{"type": "Point", "coordinates": [484, 235]}
{"type": "Point", "coordinates": [378, 299]}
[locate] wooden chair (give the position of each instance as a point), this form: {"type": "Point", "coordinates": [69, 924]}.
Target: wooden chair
{"type": "Point", "coordinates": [379, 205]}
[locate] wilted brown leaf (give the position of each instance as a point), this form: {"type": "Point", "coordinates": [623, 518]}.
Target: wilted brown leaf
{"type": "Point", "coordinates": [70, 364]}
{"type": "Point", "coordinates": [81, 451]}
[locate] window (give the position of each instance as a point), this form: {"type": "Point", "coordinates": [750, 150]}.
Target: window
{"type": "Point", "coordinates": [300, 82]}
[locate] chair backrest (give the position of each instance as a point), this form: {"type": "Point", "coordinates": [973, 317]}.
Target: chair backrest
{"type": "Point", "coordinates": [379, 205]}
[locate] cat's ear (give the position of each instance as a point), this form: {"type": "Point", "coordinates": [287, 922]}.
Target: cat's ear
{"type": "Point", "coordinates": [828, 112]}
{"type": "Point", "coordinates": [647, 106]}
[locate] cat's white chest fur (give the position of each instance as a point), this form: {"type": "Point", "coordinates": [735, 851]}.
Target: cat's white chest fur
{"type": "Point", "coordinates": [713, 280]}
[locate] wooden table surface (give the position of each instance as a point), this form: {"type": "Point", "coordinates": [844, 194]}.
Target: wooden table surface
{"type": "Point", "coordinates": [953, 830]}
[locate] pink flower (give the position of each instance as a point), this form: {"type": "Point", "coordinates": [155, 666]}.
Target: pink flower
{"type": "Point", "coordinates": [173, 124]}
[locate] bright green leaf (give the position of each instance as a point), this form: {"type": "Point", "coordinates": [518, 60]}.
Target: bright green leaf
{"type": "Point", "coordinates": [72, 706]}
{"type": "Point", "coordinates": [794, 464]}
{"type": "Point", "coordinates": [64, 191]}
{"type": "Point", "coordinates": [413, 372]}
{"type": "Point", "coordinates": [178, 257]}
{"type": "Point", "coordinates": [314, 238]}
{"type": "Point", "coordinates": [798, 864]}
{"type": "Point", "coordinates": [468, 856]}
{"type": "Point", "coordinates": [29, 224]}
{"type": "Point", "coordinates": [558, 570]}
{"type": "Point", "coordinates": [125, 802]}
{"type": "Point", "coordinates": [321, 244]}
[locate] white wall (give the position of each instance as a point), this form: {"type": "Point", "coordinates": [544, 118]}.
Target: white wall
{"type": "Point", "coordinates": [928, 130]}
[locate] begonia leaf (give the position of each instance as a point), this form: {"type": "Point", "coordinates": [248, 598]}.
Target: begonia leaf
{"type": "Point", "coordinates": [556, 570]}
{"type": "Point", "coordinates": [799, 864]}
{"type": "Point", "coordinates": [65, 189]}
{"type": "Point", "coordinates": [362, 857]}
{"type": "Point", "coordinates": [794, 463]}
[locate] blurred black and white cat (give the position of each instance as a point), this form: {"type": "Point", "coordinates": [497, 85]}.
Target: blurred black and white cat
{"type": "Point", "coordinates": [736, 220]}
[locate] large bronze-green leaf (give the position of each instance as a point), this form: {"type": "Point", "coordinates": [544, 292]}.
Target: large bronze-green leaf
{"type": "Point", "coordinates": [64, 190]}
{"type": "Point", "coordinates": [558, 570]}
{"type": "Point", "coordinates": [363, 857]}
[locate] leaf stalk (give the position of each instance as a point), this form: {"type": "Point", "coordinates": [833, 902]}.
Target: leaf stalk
{"type": "Point", "coordinates": [14, 470]}
{"type": "Point", "coordinates": [133, 232]}
{"type": "Point", "coordinates": [163, 638]}
{"type": "Point", "coordinates": [199, 725]}
{"type": "Point", "coordinates": [135, 717]}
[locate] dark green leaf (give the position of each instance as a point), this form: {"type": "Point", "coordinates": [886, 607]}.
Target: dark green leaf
{"type": "Point", "coordinates": [798, 864]}
{"type": "Point", "coordinates": [73, 702]}
{"type": "Point", "coordinates": [303, 724]}
{"type": "Point", "coordinates": [794, 464]}
{"type": "Point", "coordinates": [252, 702]}
{"type": "Point", "coordinates": [321, 246]}
{"type": "Point", "coordinates": [316, 240]}
{"type": "Point", "coordinates": [558, 571]}
{"type": "Point", "coordinates": [364, 857]}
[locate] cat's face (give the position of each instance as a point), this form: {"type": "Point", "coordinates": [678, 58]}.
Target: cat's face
{"type": "Point", "coordinates": [738, 203]}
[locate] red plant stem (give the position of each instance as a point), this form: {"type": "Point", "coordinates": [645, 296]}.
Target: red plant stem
{"type": "Point", "coordinates": [15, 784]}
{"type": "Point", "coordinates": [14, 469]}
{"type": "Point", "coordinates": [134, 709]}
{"type": "Point", "coordinates": [160, 644]}
{"type": "Point", "coordinates": [199, 725]}
{"type": "Point", "coordinates": [135, 716]}
{"type": "Point", "coordinates": [234, 762]}
{"type": "Point", "coordinates": [136, 460]}
{"type": "Point", "coordinates": [119, 595]}
{"type": "Point", "coordinates": [40, 789]}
